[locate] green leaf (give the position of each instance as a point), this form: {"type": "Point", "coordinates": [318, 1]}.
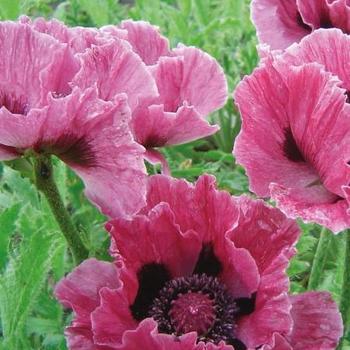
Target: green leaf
{"type": "Point", "coordinates": [97, 10]}
{"type": "Point", "coordinates": [10, 9]}
{"type": "Point", "coordinates": [21, 284]}
{"type": "Point", "coordinates": [8, 220]}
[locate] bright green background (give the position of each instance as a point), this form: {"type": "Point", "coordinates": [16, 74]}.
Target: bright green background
{"type": "Point", "coordinates": [33, 254]}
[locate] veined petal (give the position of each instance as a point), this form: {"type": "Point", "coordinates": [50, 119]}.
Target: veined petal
{"type": "Point", "coordinates": [116, 69]}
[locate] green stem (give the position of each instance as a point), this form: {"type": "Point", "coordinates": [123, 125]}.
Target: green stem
{"type": "Point", "coordinates": [345, 295]}
{"type": "Point", "coordinates": [46, 184]}
{"type": "Point", "coordinates": [319, 260]}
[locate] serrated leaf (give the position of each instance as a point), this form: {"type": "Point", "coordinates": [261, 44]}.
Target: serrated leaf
{"type": "Point", "coordinates": [21, 284]}
{"type": "Point", "coordinates": [8, 220]}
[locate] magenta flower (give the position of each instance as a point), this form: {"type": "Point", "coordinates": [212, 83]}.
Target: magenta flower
{"type": "Point", "coordinates": [41, 113]}
{"type": "Point", "coordinates": [280, 23]}
{"type": "Point", "coordinates": [295, 133]}
{"type": "Point", "coordinates": [196, 269]}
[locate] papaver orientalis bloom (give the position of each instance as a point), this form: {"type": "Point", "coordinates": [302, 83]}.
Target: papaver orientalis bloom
{"type": "Point", "coordinates": [196, 269]}
{"type": "Point", "coordinates": [280, 23]}
{"type": "Point", "coordinates": [170, 94]}
{"type": "Point", "coordinates": [295, 137]}
{"type": "Point", "coordinates": [41, 113]}
{"type": "Point", "coordinates": [189, 85]}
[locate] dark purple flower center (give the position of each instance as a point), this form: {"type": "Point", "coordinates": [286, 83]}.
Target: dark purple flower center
{"type": "Point", "coordinates": [325, 21]}
{"type": "Point", "coordinates": [13, 103]}
{"type": "Point", "coordinates": [290, 147]}
{"type": "Point", "coordinates": [71, 148]}
{"type": "Point", "coordinates": [197, 303]}
{"type": "Point", "coordinates": [153, 141]}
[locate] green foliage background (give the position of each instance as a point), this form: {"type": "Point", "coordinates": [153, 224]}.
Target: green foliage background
{"type": "Point", "coordinates": [33, 253]}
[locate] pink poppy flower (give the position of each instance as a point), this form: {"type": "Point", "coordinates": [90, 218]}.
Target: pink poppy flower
{"type": "Point", "coordinates": [295, 130]}
{"type": "Point", "coordinates": [42, 113]}
{"type": "Point", "coordinates": [145, 39]}
{"type": "Point", "coordinates": [78, 39]}
{"type": "Point", "coordinates": [196, 269]}
{"type": "Point", "coordinates": [280, 23]}
{"type": "Point", "coordinates": [189, 85]}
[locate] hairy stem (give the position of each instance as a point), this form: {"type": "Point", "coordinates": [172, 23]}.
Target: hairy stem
{"type": "Point", "coordinates": [45, 183]}
{"type": "Point", "coordinates": [345, 294]}
{"type": "Point", "coordinates": [319, 260]}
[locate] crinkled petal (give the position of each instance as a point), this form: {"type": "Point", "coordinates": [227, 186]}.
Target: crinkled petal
{"type": "Point", "coordinates": [146, 337]}
{"type": "Point", "coordinates": [111, 31]}
{"type": "Point", "coordinates": [317, 322]}
{"type": "Point", "coordinates": [339, 13]}
{"type": "Point", "coordinates": [77, 38]}
{"type": "Point", "coordinates": [325, 13]}
{"type": "Point", "coordinates": [93, 137]}
{"type": "Point", "coordinates": [154, 127]}
{"type": "Point", "coordinates": [331, 213]}
{"type": "Point", "coordinates": [189, 126]}
{"type": "Point", "coordinates": [315, 13]}
{"type": "Point", "coordinates": [278, 22]}
{"type": "Point", "coordinates": [259, 147]}
{"type": "Point", "coordinates": [264, 231]}
{"type": "Point", "coordinates": [80, 289]}
{"type": "Point", "coordinates": [239, 273]}
{"type": "Point", "coordinates": [302, 132]}
{"type": "Point", "coordinates": [112, 318]}
{"type": "Point", "coordinates": [146, 40]}
{"type": "Point", "coordinates": [278, 343]}
{"type": "Point", "coordinates": [320, 125]}
{"type": "Point", "coordinates": [155, 157]}
{"type": "Point", "coordinates": [328, 47]}
{"type": "Point", "coordinates": [18, 132]}
{"type": "Point", "coordinates": [151, 125]}
{"type": "Point", "coordinates": [133, 239]}
{"type": "Point", "coordinates": [198, 207]}
{"type": "Point", "coordinates": [192, 76]}
{"type": "Point", "coordinates": [211, 346]}
{"type": "Point", "coordinates": [116, 69]}
{"type": "Point", "coordinates": [272, 307]}
{"type": "Point", "coordinates": [81, 338]}
{"type": "Point", "coordinates": [32, 66]}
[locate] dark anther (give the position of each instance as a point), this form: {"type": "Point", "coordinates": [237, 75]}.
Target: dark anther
{"type": "Point", "coordinates": [207, 262]}
{"type": "Point", "coordinates": [197, 303]}
{"type": "Point", "coordinates": [290, 147]}
{"type": "Point", "coordinates": [152, 278]}
{"type": "Point", "coordinates": [246, 305]}
{"type": "Point", "coordinates": [44, 171]}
